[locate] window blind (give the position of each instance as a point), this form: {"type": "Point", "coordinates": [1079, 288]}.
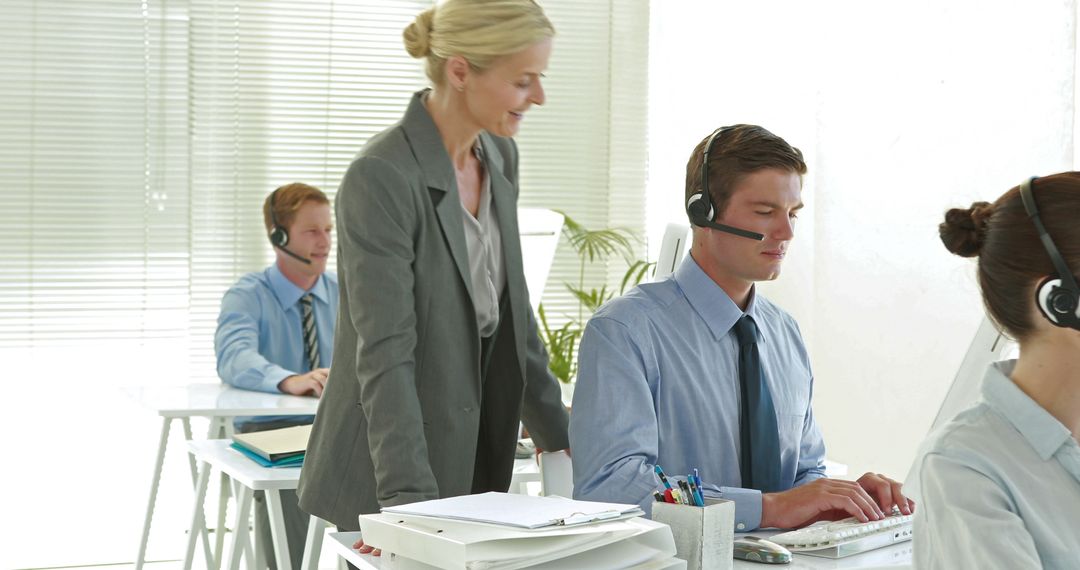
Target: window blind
{"type": "Point", "coordinates": [281, 91]}
{"type": "Point", "coordinates": [141, 139]}
{"type": "Point", "coordinates": [94, 163]}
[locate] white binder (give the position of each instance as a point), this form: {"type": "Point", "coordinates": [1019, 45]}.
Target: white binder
{"type": "Point", "coordinates": [520, 511]}
{"type": "Point", "coordinates": [413, 543]}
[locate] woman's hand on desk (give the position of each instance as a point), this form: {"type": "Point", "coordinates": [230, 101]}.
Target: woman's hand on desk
{"type": "Point", "coordinates": [310, 384]}
{"type": "Point", "coordinates": [366, 548]}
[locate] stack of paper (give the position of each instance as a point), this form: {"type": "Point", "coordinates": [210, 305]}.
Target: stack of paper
{"type": "Point", "coordinates": [499, 531]}
{"type": "Point", "coordinates": [283, 447]}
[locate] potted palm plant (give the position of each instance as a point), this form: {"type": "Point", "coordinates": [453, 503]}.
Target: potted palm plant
{"type": "Point", "coordinates": [591, 247]}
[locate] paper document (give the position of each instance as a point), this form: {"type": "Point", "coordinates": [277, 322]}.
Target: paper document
{"type": "Point", "coordinates": [521, 511]}
{"type": "Point", "coordinates": [287, 461]}
{"type": "Point", "coordinates": [276, 444]}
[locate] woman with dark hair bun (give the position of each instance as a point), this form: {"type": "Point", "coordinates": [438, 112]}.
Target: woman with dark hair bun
{"type": "Point", "coordinates": [1001, 481]}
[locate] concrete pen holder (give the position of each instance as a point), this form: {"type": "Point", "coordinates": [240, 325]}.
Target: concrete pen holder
{"type": "Point", "coordinates": [703, 535]}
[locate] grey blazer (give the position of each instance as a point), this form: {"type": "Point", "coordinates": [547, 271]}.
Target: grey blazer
{"type": "Point", "coordinates": [408, 413]}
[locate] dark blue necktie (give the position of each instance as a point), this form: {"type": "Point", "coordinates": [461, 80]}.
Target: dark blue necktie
{"type": "Point", "coordinates": [759, 462]}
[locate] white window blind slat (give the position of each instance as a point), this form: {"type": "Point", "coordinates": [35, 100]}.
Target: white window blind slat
{"type": "Point", "coordinates": [141, 139]}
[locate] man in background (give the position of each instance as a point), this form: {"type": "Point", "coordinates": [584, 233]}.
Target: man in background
{"type": "Point", "coordinates": [275, 329]}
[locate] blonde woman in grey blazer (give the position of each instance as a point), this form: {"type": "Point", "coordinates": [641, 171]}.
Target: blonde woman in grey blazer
{"type": "Point", "coordinates": [436, 351]}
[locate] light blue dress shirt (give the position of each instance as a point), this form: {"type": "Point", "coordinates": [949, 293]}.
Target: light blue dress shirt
{"type": "Point", "coordinates": [1000, 486]}
{"type": "Point", "coordinates": [259, 339]}
{"type": "Point", "coordinates": [658, 383]}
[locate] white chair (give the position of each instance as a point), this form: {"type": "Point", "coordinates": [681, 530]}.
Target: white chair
{"type": "Point", "coordinates": [672, 249]}
{"type": "Point", "coordinates": [556, 474]}
{"type": "Point", "coordinates": [539, 230]}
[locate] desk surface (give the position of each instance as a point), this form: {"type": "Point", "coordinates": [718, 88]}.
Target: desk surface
{"type": "Point", "coordinates": [342, 542]}
{"type": "Point", "coordinates": [893, 558]}
{"type": "Point", "coordinates": [219, 454]}
{"type": "Point", "coordinates": [217, 400]}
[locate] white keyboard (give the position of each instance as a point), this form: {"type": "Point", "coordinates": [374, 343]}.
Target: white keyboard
{"type": "Point", "coordinates": [846, 537]}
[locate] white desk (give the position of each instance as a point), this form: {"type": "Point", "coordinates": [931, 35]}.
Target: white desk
{"type": "Point", "coordinates": [218, 402]}
{"type": "Point", "coordinates": [342, 543]}
{"type": "Point", "coordinates": [217, 454]}
{"type": "Point", "coordinates": [894, 557]}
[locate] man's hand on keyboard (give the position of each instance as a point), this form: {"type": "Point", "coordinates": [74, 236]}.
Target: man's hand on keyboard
{"type": "Point", "coordinates": [887, 492]}
{"type": "Point", "coordinates": [823, 499]}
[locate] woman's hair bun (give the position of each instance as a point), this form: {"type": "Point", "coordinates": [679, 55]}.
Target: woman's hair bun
{"type": "Point", "coordinates": [418, 34]}
{"type": "Point", "coordinates": [963, 230]}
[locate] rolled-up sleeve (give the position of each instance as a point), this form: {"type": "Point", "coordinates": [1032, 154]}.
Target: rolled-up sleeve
{"type": "Point", "coordinates": [236, 345]}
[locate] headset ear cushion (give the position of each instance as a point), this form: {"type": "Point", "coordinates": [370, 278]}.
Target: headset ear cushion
{"type": "Point", "coordinates": [1057, 303]}
{"type": "Point", "coordinates": [279, 237]}
{"type": "Point", "coordinates": [699, 209]}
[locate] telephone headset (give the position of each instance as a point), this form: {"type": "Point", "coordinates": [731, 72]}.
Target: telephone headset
{"type": "Point", "coordinates": [1058, 296]}
{"type": "Point", "coordinates": [700, 206]}
{"type": "Point", "coordinates": [279, 236]}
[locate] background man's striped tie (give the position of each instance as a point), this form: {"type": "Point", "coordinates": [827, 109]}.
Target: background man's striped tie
{"type": "Point", "coordinates": [311, 337]}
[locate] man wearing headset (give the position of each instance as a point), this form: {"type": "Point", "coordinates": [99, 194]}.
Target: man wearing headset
{"type": "Point", "coordinates": [709, 376]}
{"type": "Point", "coordinates": [275, 330]}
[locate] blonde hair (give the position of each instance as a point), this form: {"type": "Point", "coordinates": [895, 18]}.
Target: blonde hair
{"type": "Point", "coordinates": [480, 31]}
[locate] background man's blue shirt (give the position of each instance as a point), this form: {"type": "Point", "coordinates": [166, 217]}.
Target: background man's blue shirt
{"type": "Point", "coordinates": [658, 383]}
{"type": "Point", "coordinates": [259, 339]}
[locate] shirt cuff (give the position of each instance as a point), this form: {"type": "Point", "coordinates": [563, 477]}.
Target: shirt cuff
{"type": "Point", "coordinates": [747, 506]}
{"type": "Point", "coordinates": [274, 375]}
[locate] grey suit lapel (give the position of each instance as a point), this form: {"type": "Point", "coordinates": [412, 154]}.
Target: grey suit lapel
{"type": "Point", "coordinates": [438, 172]}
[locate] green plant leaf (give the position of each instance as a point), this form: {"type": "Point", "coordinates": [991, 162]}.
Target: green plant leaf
{"type": "Point", "coordinates": [635, 274]}
{"type": "Point", "coordinates": [592, 245]}
{"type": "Point", "coordinates": [560, 344]}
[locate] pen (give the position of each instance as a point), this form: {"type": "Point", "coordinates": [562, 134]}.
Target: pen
{"type": "Point", "coordinates": [659, 497]}
{"type": "Point", "coordinates": [690, 490]}
{"type": "Point", "coordinates": [695, 490]}
{"type": "Point", "coordinates": [688, 494]}
{"type": "Point", "coordinates": [697, 483]}
{"type": "Point", "coordinates": [668, 497]}
{"type": "Point", "coordinates": [663, 478]}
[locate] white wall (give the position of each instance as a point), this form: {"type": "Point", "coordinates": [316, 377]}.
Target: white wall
{"type": "Point", "coordinates": [902, 109]}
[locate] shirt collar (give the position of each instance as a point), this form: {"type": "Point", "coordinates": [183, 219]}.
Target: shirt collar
{"type": "Point", "coordinates": [709, 300]}
{"type": "Point", "coordinates": [1043, 431]}
{"type": "Point", "coordinates": [288, 294]}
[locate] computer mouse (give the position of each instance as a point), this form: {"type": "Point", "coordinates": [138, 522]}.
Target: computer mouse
{"type": "Point", "coordinates": [757, 549]}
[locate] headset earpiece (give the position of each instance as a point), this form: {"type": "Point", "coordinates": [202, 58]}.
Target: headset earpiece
{"type": "Point", "coordinates": [1057, 304]}
{"type": "Point", "coordinates": [279, 237]}
{"type": "Point", "coordinates": [699, 209]}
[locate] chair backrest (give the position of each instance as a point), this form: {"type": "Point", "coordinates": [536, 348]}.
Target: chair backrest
{"type": "Point", "coordinates": [539, 230]}
{"type": "Point", "coordinates": [556, 474]}
{"type": "Point", "coordinates": [672, 249]}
